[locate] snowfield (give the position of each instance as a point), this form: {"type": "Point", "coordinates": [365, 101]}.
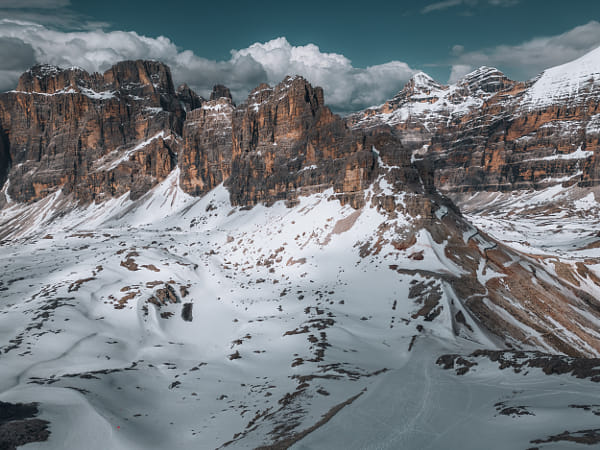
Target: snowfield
{"type": "Point", "coordinates": [177, 322]}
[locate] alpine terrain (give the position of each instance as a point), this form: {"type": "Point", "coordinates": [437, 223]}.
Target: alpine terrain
{"type": "Point", "coordinates": [181, 272]}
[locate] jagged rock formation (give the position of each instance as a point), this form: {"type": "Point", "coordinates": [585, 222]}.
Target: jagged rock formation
{"type": "Point", "coordinates": [98, 136]}
{"type": "Point", "coordinates": [189, 98]}
{"type": "Point", "coordinates": [322, 302]}
{"type": "Point", "coordinates": [220, 91]}
{"type": "Point", "coordinates": [487, 132]}
{"type": "Point", "coordinates": [286, 142]}
{"type": "Point", "coordinates": [205, 157]}
{"type": "Point", "coordinates": [94, 136]}
{"type": "Point", "coordinates": [281, 143]}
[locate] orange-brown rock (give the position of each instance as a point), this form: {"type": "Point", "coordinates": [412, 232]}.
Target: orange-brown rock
{"type": "Point", "coordinates": [287, 143]}
{"type": "Point", "coordinates": [205, 156]}
{"type": "Point", "coordinates": [92, 135]}
{"type": "Point", "coordinates": [282, 143]}
{"type": "Point", "coordinates": [483, 134]}
{"type": "Point", "coordinates": [189, 98]}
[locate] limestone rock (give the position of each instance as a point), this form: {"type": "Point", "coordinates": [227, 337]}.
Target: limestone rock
{"type": "Point", "coordinates": [189, 98]}
{"type": "Point", "coordinates": [93, 135]}
{"type": "Point", "coordinates": [205, 156]}
{"type": "Point", "coordinates": [220, 91]}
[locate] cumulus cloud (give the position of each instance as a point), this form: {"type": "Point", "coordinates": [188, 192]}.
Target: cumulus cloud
{"type": "Point", "coordinates": [438, 6]}
{"type": "Point", "coordinates": [529, 58]}
{"type": "Point", "coordinates": [347, 88]}
{"type": "Point", "coordinates": [458, 71]}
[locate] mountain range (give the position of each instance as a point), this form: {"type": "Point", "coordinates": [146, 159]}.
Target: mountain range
{"type": "Point", "coordinates": [181, 272]}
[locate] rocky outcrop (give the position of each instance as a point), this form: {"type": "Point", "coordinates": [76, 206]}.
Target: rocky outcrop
{"type": "Point", "coordinates": [281, 143]}
{"type": "Point", "coordinates": [287, 143]}
{"type": "Point", "coordinates": [102, 135]}
{"type": "Point", "coordinates": [4, 156]}
{"type": "Point", "coordinates": [189, 98]}
{"type": "Point", "coordinates": [205, 156]}
{"type": "Point", "coordinates": [220, 91]}
{"type": "Point", "coordinates": [92, 135]}
{"type": "Point", "coordinates": [487, 132]}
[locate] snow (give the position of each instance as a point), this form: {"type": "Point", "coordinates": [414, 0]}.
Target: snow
{"type": "Point", "coordinates": [593, 125]}
{"type": "Point", "coordinates": [153, 110]}
{"type": "Point", "coordinates": [577, 154]}
{"type": "Point", "coordinates": [5, 191]}
{"type": "Point", "coordinates": [566, 82]}
{"type": "Point", "coordinates": [587, 202]}
{"type": "Point", "coordinates": [105, 95]}
{"type": "Point", "coordinates": [176, 234]}
{"type": "Point", "coordinates": [417, 405]}
{"type": "Point", "coordinates": [217, 107]}
{"type": "Point", "coordinates": [256, 277]}
{"type": "Point", "coordinates": [429, 103]}
{"type": "Point", "coordinates": [125, 155]}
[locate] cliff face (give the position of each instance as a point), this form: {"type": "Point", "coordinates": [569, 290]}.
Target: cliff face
{"type": "Point", "coordinates": [286, 142]}
{"type": "Point", "coordinates": [490, 133]}
{"type": "Point", "coordinates": [98, 136]}
{"type": "Point", "coordinates": [95, 135]}
{"type": "Point", "coordinates": [205, 157]}
{"type": "Point", "coordinates": [281, 143]}
{"type": "Point", "coordinates": [5, 162]}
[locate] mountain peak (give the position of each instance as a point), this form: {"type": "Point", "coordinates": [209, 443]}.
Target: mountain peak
{"type": "Point", "coordinates": [485, 78]}
{"type": "Point", "coordinates": [48, 79]}
{"type": "Point", "coordinates": [220, 91]}
{"type": "Point", "coordinates": [567, 81]}
{"type": "Point", "coordinates": [149, 75]}
{"type": "Point", "coordinates": [420, 84]}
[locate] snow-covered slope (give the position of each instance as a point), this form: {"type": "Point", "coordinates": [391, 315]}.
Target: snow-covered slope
{"type": "Point", "coordinates": [173, 321]}
{"type": "Point", "coordinates": [428, 103]}
{"type": "Point", "coordinates": [178, 322]}
{"type": "Point", "coordinates": [570, 82]}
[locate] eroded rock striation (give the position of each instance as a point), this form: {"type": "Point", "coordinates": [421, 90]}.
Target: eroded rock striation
{"type": "Point", "coordinates": [488, 133]}
{"type": "Point", "coordinates": [94, 136]}
{"type": "Point", "coordinates": [102, 135]}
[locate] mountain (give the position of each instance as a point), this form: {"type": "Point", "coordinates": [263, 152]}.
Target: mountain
{"type": "Point", "coordinates": [488, 133]}
{"type": "Point", "coordinates": [181, 273]}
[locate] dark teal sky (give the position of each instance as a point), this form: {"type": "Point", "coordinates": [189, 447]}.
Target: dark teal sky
{"type": "Point", "coordinates": [368, 32]}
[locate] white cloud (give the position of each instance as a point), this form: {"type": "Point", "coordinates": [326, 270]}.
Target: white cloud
{"type": "Point", "coordinates": [438, 6]}
{"type": "Point", "coordinates": [458, 71]}
{"type": "Point", "coordinates": [346, 87]}
{"type": "Point", "coordinates": [529, 58]}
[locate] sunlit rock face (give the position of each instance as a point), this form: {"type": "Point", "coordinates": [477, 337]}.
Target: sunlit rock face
{"type": "Point", "coordinates": [488, 133]}
{"type": "Point", "coordinates": [95, 136]}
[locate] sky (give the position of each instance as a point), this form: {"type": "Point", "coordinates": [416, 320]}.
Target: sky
{"type": "Point", "coordinates": [360, 52]}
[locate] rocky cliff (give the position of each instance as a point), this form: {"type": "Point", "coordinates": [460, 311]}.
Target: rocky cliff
{"type": "Point", "coordinates": [283, 142]}
{"type": "Point", "coordinates": [91, 135]}
{"type": "Point", "coordinates": [487, 132]}
{"type": "Point", "coordinates": [97, 136]}
{"type": "Point", "coordinates": [205, 157]}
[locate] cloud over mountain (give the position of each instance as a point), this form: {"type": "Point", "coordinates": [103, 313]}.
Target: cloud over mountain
{"type": "Point", "coordinates": [346, 87]}
{"type": "Point", "coordinates": [531, 57]}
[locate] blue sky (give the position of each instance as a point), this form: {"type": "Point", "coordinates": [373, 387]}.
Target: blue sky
{"type": "Point", "coordinates": [361, 52]}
